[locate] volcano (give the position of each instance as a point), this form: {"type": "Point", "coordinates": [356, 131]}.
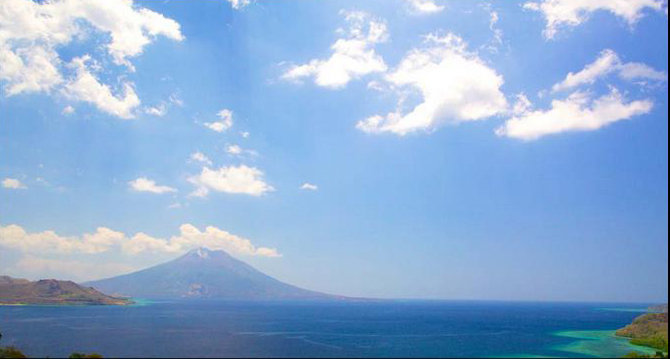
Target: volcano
{"type": "Point", "coordinates": [203, 273]}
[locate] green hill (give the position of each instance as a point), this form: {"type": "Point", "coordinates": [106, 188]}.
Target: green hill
{"type": "Point", "coordinates": [649, 330]}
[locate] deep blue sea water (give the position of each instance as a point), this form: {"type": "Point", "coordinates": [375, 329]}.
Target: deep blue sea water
{"type": "Point", "coordinates": [360, 329]}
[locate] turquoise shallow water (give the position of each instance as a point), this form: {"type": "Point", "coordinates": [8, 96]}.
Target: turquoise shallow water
{"type": "Point", "coordinates": [632, 310]}
{"type": "Point", "coordinates": [370, 329]}
{"type": "Point", "coordinates": [599, 343]}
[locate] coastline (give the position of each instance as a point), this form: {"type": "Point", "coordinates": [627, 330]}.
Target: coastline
{"type": "Point", "coordinates": [67, 304]}
{"type": "Point", "coordinates": [599, 343]}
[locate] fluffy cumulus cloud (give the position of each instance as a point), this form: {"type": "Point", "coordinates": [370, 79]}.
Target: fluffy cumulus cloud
{"type": "Point", "coordinates": [453, 84]}
{"type": "Point", "coordinates": [32, 32]}
{"type": "Point", "coordinates": [86, 87]}
{"type": "Point", "coordinates": [424, 6]}
{"type": "Point", "coordinates": [578, 112]}
{"type": "Point", "coordinates": [13, 183]}
{"type": "Point", "coordinates": [232, 179]}
{"type": "Point", "coordinates": [191, 237]}
{"type": "Point", "coordinates": [569, 13]}
{"type": "Point", "coordinates": [143, 184]}
{"type": "Point", "coordinates": [105, 240]}
{"type": "Point", "coordinates": [609, 63]}
{"type": "Point", "coordinates": [224, 123]}
{"type": "Point", "coordinates": [353, 55]}
{"type": "Point", "coordinates": [14, 236]}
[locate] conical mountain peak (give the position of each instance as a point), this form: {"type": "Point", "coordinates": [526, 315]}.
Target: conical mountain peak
{"type": "Point", "coordinates": [204, 253]}
{"type": "Point", "coordinates": [204, 273]}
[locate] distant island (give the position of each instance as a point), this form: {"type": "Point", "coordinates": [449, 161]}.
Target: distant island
{"type": "Point", "coordinates": [650, 330]}
{"type": "Point", "coordinates": [14, 291]}
{"type": "Point", "coordinates": [206, 274]}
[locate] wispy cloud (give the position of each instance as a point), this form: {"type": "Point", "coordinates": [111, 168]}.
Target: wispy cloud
{"type": "Point", "coordinates": [578, 112]}
{"type": "Point", "coordinates": [200, 158]}
{"type": "Point", "coordinates": [607, 63]}
{"type": "Point", "coordinates": [143, 184]}
{"type": "Point", "coordinates": [309, 186]}
{"type": "Point", "coordinates": [225, 121]}
{"type": "Point", "coordinates": [13, 183]}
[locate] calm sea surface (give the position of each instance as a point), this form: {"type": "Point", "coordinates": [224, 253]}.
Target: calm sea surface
{"type": "Point", "coordinates": [369, 329]}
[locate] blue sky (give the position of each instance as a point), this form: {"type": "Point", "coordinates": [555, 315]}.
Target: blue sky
{"type": "Point", "coordinates": [405, 149]}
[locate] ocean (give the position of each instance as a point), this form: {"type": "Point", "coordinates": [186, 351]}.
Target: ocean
{"type": "Point", "coordinates": [338, 329]}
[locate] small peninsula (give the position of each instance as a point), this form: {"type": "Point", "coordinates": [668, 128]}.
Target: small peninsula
{"type": "Point", "coordinates": [14, 291]}
{"type": "Point", "coordinates": [650, 330]}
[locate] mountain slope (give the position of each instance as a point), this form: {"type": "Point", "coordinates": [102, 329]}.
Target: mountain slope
{"type": "Point", "coordinates": [51, 291]}
{"type": "Point", "coordinates": [649, 330]}
{"type": "Point", "coordinates": [203, 273]}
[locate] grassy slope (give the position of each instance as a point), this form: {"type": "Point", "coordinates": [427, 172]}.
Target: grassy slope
{"type": "Point", "coordinates": [649, 330]}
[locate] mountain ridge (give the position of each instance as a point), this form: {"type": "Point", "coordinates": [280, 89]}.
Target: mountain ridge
{"type": "Point", "coordinates": [17, 291]}
{"type": "Point", "coordinates": [203, 273]}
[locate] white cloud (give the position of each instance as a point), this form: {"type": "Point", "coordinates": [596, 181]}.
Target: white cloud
{"type": "Point", "coordinates": [454, 85]}
{"type": "Point", "coordinates": [225, 121]}
{"type": "Point", "coordinates": [130, 29]}
{"type": "Point", "coordinates": [245, 134]}
{"type": "Point", "coordinates": [32, 69]}
{"type": "Point", "coordinates": [176, 100]}
{"type": "Point", "coordinates": [143, 184]}
{"type": "Point", "coordinates": [14, 236]}
{"type": "Point", "coordinates": [68, 110]}
{"type": "Point", "coordinates": [609, 62]}
{"type": "Point", "coordinates": [105, 240]}
{"type": "Point", "coordinates": [46, 25]}
{"type": "Point", "coordinates": [86, 87]}
{"type": "Point", "coordinates": [309, 186]}
{"type": "Point", "coordinates": [232, 179]}
{"type": "Point", "coordinates": [13, 183]}
{"type": "Point", "coordinates": [424, 6]}
{"type": "Point", "coordinates": [160, 110]}
{"type": "Point", "coordinates": [32, 31]}
{"type": "Point", "coordinates": [191, 237]}
{"type": "Point", "coordinates": [353, 56]}
{"type": "Point", "coordinates": [565, 13]}
{"type": "Point", "coordinates": [201, 157]}
{"type": "Point", "coordinates": [234, 150]}
{"type": "Point", "coordinates": [493, 26]}
{"type": "Point", "coordinates": [578, 112]}
{"type": "Point", "coordinates": [238, 4]}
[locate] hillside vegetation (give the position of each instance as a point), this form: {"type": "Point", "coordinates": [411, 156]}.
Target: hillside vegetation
{"type": "Point", "coordinates": [650, 330]}
{"type": "Point", "coordinates": [52, 292]}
